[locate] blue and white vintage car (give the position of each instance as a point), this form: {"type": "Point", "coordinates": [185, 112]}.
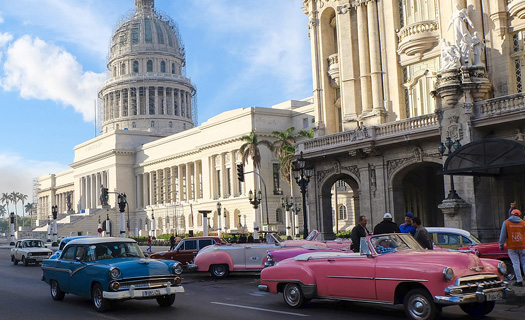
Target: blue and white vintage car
{"type": "Point", "coordinates": [111, 269]}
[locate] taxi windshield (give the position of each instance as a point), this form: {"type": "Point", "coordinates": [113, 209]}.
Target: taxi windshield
{"type": "Point", "coordinates": [111, 250]}
{"type": "Point", "coordinates": [388, 243]}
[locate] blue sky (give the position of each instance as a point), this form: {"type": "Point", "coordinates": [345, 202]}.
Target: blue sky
{"type": "Point", "coordinates": [239, 53]}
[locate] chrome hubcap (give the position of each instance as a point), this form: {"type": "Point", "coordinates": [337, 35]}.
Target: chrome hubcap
{"type": "Point", "coordinates": [419, 307]}
{"type": "Point", "coordinates": [292, 295]}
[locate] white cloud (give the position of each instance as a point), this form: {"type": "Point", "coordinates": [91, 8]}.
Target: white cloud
{"type": "Point", "coordinates": [1, 18]}
{"type": "Point", "coordinates": [5, 38]}
{"type": "Point", "coordinates": [44, 71]}
{"type": "Point", "coordinates": [18, 173]}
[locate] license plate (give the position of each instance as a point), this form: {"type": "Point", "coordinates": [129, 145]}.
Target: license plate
{"type": "Point", "coordinates": [493, 296]}
{"type": "Point", "coordinates": [151, 293]}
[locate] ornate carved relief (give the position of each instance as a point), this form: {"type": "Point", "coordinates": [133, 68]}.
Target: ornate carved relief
{"type": "Point", "coordinates": [343, 9]}
{"type": "Point", "coordinates": [393, 165]}
{"type": "Point", "coordinates": [372, 179]}
{"type": "Point", "coordinates": [520, 136]}
{"type": "Point", "coordinates": [454, 129]}
{"type": "Point", "coordinates": [337, 169]}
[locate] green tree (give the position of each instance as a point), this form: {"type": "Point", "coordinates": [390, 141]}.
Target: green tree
{"type": "Point", "coordinates": [22, 197]}
{"type": "Point", "coordinates": [29, 207]}
{"type": "Point", "coordinates": [250, 149]}
{"type": "Point", "coordinates": [2, 210]}
{"type": "Point", "coordinates": [14, 199]}
{"type": "Point", "coordinates": [5, 199]}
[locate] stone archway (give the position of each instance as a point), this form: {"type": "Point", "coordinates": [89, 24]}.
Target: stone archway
{"type": "Point", "coordinates": [325, 217]}
{"type": "Point", "coordinates": [419, 188]}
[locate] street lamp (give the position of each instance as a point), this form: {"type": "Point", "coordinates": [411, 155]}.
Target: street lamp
{"type": "Point", "coordinates": [152, 225]}
{"type": "Point", "coordinates": [122, 207]}
{"type": "Point", "coordinates": [302, 175]}
{"type": "Point", "coordinates": [255, 200]}
{"type": "Point", "coordinates": [449, 146]}
{"type": "Point", "coordinates": [219, 206]}
{"type": "Point", "coordinates": [54, 211]}
{"type": "Point", "coordinates": [287, 206]}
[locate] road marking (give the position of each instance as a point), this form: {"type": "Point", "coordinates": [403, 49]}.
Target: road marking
{"type": "Point", "coordinates": [261, 309]}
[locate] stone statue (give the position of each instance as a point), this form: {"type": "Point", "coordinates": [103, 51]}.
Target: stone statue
{"type": "Point", "coordinates": [477, 46]}
{"type": "Point", "coordinates": [466, 51]}
{"type": "Point", "coordinates": [450, 56]}
{"type": "Point", "coordinates": [68, 201]}
{"type": "Point", "coordinates": [459, 21]}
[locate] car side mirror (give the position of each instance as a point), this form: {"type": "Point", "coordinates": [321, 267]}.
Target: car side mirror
{"type": "Point", "coordinates": [78, 259]}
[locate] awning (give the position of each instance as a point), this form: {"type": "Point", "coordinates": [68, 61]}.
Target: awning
{"type": "Point", "coordinates": [485, 157]}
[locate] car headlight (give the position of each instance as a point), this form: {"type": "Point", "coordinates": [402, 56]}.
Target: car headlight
{"type": "Point", "coordinates": [29, 254]}
{"type": "Point", "coordinates": [502, 268]}
{"type": "Point", "coordinates": [177, 268]}
{"type": "Point", "coordinates": [114, 273]}
{"type": "Point", "coordinates": [448, 274]}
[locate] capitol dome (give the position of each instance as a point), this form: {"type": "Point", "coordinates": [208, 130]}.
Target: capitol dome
{"type": "Point", "coordinates": [147, 88]}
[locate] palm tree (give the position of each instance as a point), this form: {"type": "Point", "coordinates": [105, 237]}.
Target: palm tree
{"type": "Point", "coordinates": [14, 198]}
{"type": "Point", "coordinates": [30, 206]}
{"type": "Point", "coordinates": [6, 198]}
{"type": "Point", "coordinates": [284, 149]}
{"type": "Point", "coordinates": [2, 210]}
{"type": "Point", "coordinates": [284, 138]}
{"type": "Point", "coordinates": [22, 197]}
{"type": "Point", "coordinates": [250, 149]}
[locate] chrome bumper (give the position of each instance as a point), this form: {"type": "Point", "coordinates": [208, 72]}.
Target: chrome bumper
{"type": "Point", "coordinates": [263, 287]}
{"type": "Point", "coordinates": [492, 294]}
{"type": "Point", "coordinates": [133, 293]}
{"type": "Point", "coordinates": [192, 267]}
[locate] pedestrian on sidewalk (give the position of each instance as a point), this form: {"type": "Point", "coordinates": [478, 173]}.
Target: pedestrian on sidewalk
{"type": "Point", "coordinates": [172, 242]}
{"type": "Point", "coordinates": [149, 244]}
{"type": "Point", "coordinates": [422, 235]}
{"type": "Point", "coordinates": [386, 226]}
{"type": "Point", "coordinates": [512, 236]}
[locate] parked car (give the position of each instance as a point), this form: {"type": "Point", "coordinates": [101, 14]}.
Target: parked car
{"type": "Point", "coordinates": [63, 243]}
{"type": "Point", "coordinates": [491, 250]}
{"type": "Point", "coordinates": [276, 255]}
{"type": "Point", "coordinates": [111, 269]}
{"type": "Point", "coordinates": [220, 260]}
{"type": "Point", "coordinates": [30, 251]}
{"type": "Point", "coordinates": [451, 238]}
{"type": "Point", "coordinates": [392, 269]}
{"type": "Point", "coordinates": [186, 250]}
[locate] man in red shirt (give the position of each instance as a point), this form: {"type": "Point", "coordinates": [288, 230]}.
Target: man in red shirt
{"type": "Point", "coordinates": [513, 236]}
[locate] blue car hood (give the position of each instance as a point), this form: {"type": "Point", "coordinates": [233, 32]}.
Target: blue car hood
{"type": "Point", "coordinates": [133, 267]}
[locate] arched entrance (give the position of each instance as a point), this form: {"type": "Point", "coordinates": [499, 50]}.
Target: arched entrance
{"type": "Point", "coordinates": [419, 188]}
{"type": "Point", "coordinates": [332, 187]}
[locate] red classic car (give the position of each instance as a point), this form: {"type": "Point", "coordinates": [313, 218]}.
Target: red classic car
{"type": "Point", "coordinates": [186, 250]}
{"type": "Point", "coordinates": [392, 269]}
{"type": "Point", "coordinates": [491, 250]}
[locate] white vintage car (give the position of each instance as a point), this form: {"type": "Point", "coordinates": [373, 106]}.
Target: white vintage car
{"type": "Point", "coordinates": [30, 251]}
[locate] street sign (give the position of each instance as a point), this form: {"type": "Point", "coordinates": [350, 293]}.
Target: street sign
{"type": "Point", "coordinates": [99, 230]}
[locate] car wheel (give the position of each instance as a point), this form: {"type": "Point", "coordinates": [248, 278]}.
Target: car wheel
{"type": "Point", "coordinates": [99, 303]}
{"type": "Point", "coordinates": [293, 295]}
{"type": "Point", "coordinates": [56, 293]}
{"type": "Point", "coordinates": [419, 305]}
{"type": "Point", "coordinates": [24, 261]}
{"type": "Point", "coordinates": [15, 262]}
{"type": "Point", "coordinates": [219, 270]}
{"type": "Point", "coordinates": [166, 301]}
{"type": "Point", "coordinates": [478, 310]}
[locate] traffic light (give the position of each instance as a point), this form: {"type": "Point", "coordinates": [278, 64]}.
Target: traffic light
{"type": "Point", "coordinates": [240, 172]}
{"type": "Point", "coordinates": [104, 196]}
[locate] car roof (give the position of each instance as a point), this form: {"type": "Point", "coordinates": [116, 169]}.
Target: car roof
{"type": "Point", "coordinates": [66, 239]}
{"type": "Point", "coordinates": [448, 230]}
{"type": "Point", "coordinates": [97, 240]}
{"type": "Point", "coordinates": [30, 239]}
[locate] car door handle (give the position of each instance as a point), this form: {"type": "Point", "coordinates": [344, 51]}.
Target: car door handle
{"type": "Point", "coordinates": [195, 252]}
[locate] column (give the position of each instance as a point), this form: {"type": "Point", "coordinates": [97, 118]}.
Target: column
{"type": "Point", "coordinates": [188, 105]}
{"type": "Point", "coordinates": [145, 195]}
{"type": "Point", "coordinates": [224, 187]}
{"type": "Point", "coordinates": [139, 202]}
{"type": "Point", "coordinates": [121, 95]}
{"type": "Point", "coordinates": [179, 102]}
{"type": "Point", "coordinates": [375, 56]}
{"type": "Point", "coordinates": [364, 62]}
{"type": "Point", "coordinates": [181, 186]}
{"type": "Point", "coordinates": [198, 179]}
{"type": "Point", "coordinates": [159, 108]}
{"type": "Point", "coordinates": [188, 181]}
{"type": "Point", "coordinates": [152, 188]}
{"type": "Point", "coordinates": [173, 184]}
{"type": "Point", "coordinates": [129, 101]}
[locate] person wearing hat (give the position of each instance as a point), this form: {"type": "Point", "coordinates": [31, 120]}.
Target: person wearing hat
{"type": "Point", "coordinates": [407, 227]}
{"type": "Point", "coordinates": [386, 226]}
{"type": "Point", "coordinates": [512, 235]}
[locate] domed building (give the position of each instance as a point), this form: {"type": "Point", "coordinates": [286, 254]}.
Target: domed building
{"type": "Point", "coordinates": [177, 178]}
{"type": "Point", "coordinates": [147, 90]}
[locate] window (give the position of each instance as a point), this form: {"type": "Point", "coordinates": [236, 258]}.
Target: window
{"type": "Point", "coordinates": [171, 124]}
{"type": "Point", "coordinates": [162, 66]}
{"type": "Point", "coordinates": [151, 99]}
{"type": "Point", "coordinates": [173, 68]}
{"type": "Point", "coordinates": [135, 66]}
{"type": "Point", "coordinates": [135, 33]}
{"type": "Point", "coordinates": [69, 253]}
{"type": "Point", "coordinates": [123, 69]}
{"type": "Point", "coordinates": [279, 215]}
{"type": "Point", "coordinates": [153, 124]}
{"type": "Point", "coordinates": [205, 242]}
{"type": "Point", "coordinates": [149, 66]}
{"type": "Point", "coordinates": [148, 33]}
{"type": "Point", "coordinates": [160, 36]}
{"type": "Point", "coordinates": [418, 84]}
{"type": "Point", "coordinates": [134, 125]}
{"type": "Point", "coordinates": [342, 213]}
{"type": "Point", "coordinates": [305, 123]}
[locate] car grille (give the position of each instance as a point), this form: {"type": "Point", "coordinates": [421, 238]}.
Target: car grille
{"type": "Point", "coordinates": [40, 254]}
{"type": "Point", "coordinates": [473, 284]}
{"type": "Point", "coordinates": [147, 283]}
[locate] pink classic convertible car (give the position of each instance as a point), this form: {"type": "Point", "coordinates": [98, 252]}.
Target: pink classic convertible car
{"type": "Point", "coordinates": [392, 269]}
{"type": "Point", "coordinates": [219, 260]}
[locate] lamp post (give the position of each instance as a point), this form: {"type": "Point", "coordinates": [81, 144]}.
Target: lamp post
{"type": "Point", "coordinates": [255, 199]}
{"type": "Point", "coordinates": [12, 228]}
{"type": "Point", "coordinates": [122, 207]}
{"type": "Point", "coordinates": [302, 175]}
{"type": "Point", "coordinates": [219, 206]}
{"type": "Point", "coordinates": [48, 229]}
{"type": "Point", "coordinates": [54, 211]}
{"type": "Point", "coordinates": [449, 146]}
{"type": "Point", "coordinates": [108, 226]}
{"type": "Point", "coordinates": [204, 222]}
{"type": "Point", "coordinates": [287, 206]}
{"type": "Point", "coordinates": [152, 225]}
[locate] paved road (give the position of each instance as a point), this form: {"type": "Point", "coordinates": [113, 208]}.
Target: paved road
{"type": "Point", "coordinates": [24, 296]}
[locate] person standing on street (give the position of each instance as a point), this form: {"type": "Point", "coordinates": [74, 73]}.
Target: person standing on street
{"type": "Point", "coordinates": [513, 236]}
{"type": "Point", "coordinates": [358, 232]}
{"type": "Point", "coordinates": [407, 227]}
{"type": "Point", "coordinates": [386, 226]}
{"type": "Point", "coordinates": [422, 235]}
{"type": "Point", "coordinates": [172, 242]}
{"type": "Point", "coordinates": [149, 244]}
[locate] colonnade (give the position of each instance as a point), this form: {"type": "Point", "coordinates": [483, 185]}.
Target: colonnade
{"type": "Point", "coordinates": [90, 189]}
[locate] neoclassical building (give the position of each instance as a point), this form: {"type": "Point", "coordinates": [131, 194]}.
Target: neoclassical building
{"type": "Point", "coordinates": [392, 81]}
{"type": "Point", "coordinates": [150, 149]}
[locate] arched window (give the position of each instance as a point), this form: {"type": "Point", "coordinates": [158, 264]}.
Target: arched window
{"type": "Point", "coordinates": [171, 124]}
{"type": "Point", "coordinates": [135, 66]}
{"type": "Point", "coordinates": [279, 215]}
{"type": "Point", "coordinates": [162, 66]}
{"type": "Point", "coordinates": [173, 68]}
{"type": "Point", "coordinates": [134, 125]}
{"type": "Point", "coordinates": [153, 124]}
{"type": "Point", "coordinates": [342, 213]}
{"type": "Point", "coordinates": [149, 66]}
{"type": "Point", "coordinates": [123, 68]}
